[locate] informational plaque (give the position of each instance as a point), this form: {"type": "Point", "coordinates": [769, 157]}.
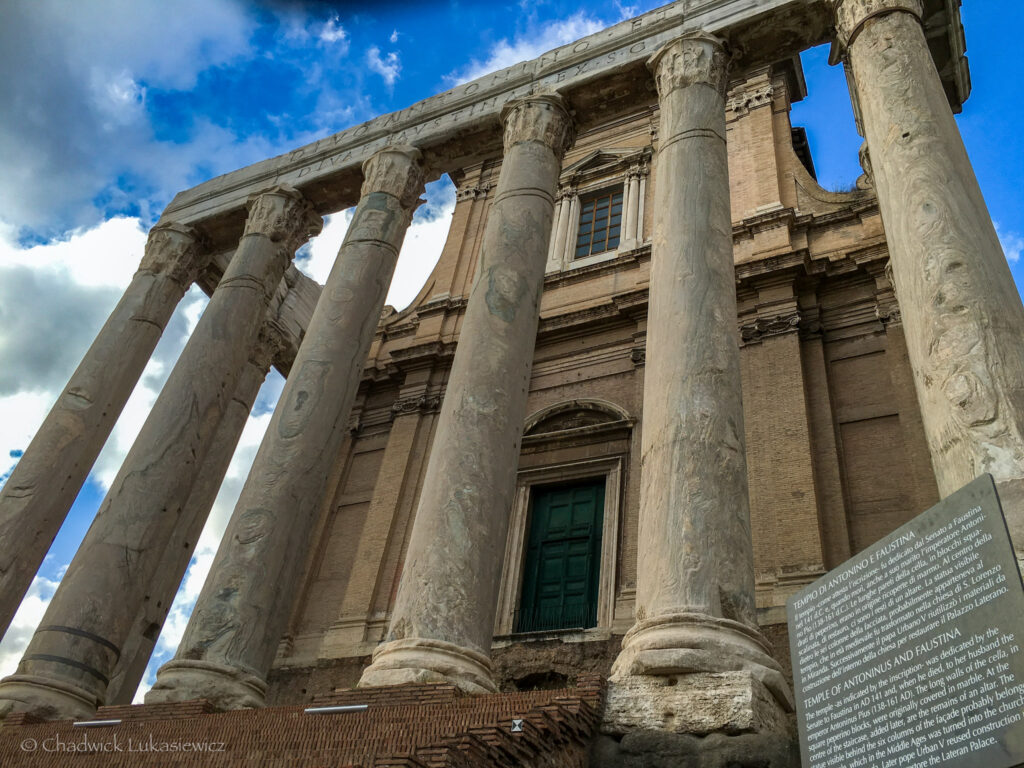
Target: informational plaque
{"type": "Point", "coordinates": [910, 654]}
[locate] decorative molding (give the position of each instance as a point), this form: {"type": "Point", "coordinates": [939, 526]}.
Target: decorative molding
{"type": "Point", "coordinates": [542, 118]}
{"type": "Point", "coordinates": [415, 404]}
{"type": "Point", "coordinates": [763, 327]}
{"type": "Point", "coordinates": [638, 356]}
{"type": "Point", "coordinates": [473, 192]}
{"type": "Point", "coordinates": [284, 216]}
{"type": "Point", "coordinates": [694, 58]}
{"type": "Point", "coordinates": [746, 99]}
{"type": "Point", "coordinates": [396, 171]}
{"type": "Point", "coordinates": [852, 15]}
{"type": "Point", "coordinates": [174, 250]}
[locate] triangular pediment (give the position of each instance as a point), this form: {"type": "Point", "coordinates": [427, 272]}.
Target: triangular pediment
{"type": "Point", "coordinates": [602, 159]}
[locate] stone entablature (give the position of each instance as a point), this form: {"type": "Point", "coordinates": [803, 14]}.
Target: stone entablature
{"type": "Point", "coordinates": [329, 168]}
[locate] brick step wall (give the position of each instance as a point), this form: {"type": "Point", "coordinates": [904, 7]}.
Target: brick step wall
{"type": "Point", "coordinates": [421, 726]}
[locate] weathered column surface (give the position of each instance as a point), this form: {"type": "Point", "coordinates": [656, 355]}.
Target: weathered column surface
{"type": "Point", "coordinates": [43, 486]}
{"type": "Point", "coordinates": [66, 668]}
{"type": "Point", "coordinates": [138, 646]}
{"type": "Point", "coordinates": [244, 607]}
{"type": "Point", "coordinates": [443, 617]}
{"type": "Point", "coordinates": [695, 576]}
{"type": "Point", "coordinates": [961, 312]}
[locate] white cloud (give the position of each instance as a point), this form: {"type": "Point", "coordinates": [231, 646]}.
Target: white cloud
{"type": "Point", "coordinates": [387, 67]}
{"type": "Point", "coordinates": [333, 32]}
{"type": "Point", "coordinates": [394, 37]}
{"type": "Point", "coordinates": [77, 84]}
{"type": "Point", "coordinates": [25, 621]}
{"type": "Point", "coordinates": [1013, 243]}
{"type": "Point", "coordinates": [529, 46]}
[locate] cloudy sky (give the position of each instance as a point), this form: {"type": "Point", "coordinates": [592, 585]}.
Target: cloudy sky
{"type": "Point", "coordinates": [109, 107]}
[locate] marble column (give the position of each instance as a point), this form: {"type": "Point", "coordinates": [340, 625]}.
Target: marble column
{"type": "Point", "coordinates": [961, 312]}
{"type": "Point", "coordinates": [243, 610]}
{"type": "Point", "coordinates": [37, 496]}
{"type": "Point", "coordinates": [443, 617]}
{"type": "Point", "coordinates": [68, 663]}
{"type": "Point", "coordinates": [138, 647]}
{"type": "Point", "coordinates": [695, 611]}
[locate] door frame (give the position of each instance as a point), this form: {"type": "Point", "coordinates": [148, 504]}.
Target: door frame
{"type": "Point", "coordinates": [611, 470]}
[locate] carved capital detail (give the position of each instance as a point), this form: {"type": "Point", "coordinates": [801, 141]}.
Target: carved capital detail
{"type": "Point", "coordinates": [397, 171]}
{"type": "Point", "coordinates": [745, 99]}
{"type": "Point", "coordinates": [696, 57]}
{"type": "Point", "coordinates": [269, 344]}
{"type": "Point", "coordinates": [763, 327]}
{"type": "Point", "coordinates": [283, 215]}
{"type": "Point", "coordinates": [542, 118]}
{"type": "Point", "coordinates": [851, 15]}
{"type": "Point", "coordinates": [638, 356]}
{"type": "Point", "coordinates": [174, 250]}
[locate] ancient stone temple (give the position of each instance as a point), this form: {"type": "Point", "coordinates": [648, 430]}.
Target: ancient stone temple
{"type": "Point", "coordinates": [550, 513]}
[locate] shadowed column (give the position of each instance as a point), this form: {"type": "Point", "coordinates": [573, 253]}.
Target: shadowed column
{"type": "Point", "coordinates": [962, 314]}
{"type": "Point", "coordinates": [37, 496]}
{"type": "Point", "coordinates": [66, 668]}
{"type": "Point", "coordinates": [443, 618]}
{"type": "Point", "coordinates": [138, 648]}
{"type": "Point", "coordinates": [244, 607]}
{"type": "Point", "coordinates": [695, 611]}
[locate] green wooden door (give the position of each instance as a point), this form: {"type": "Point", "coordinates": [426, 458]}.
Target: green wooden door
{"type": "Point", "coordinates": [563, 558]}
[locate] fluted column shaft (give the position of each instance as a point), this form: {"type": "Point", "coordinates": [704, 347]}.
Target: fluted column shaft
{"type": "Point", "coordinates": [138, 647]}
{"type": "Point", "coordinates": [37, 496]}
{"type": "Point", "coordinates": [243, 610]}
{"type": "Point", "coordinates": [695, 579]}
{"type": "Point", "coordinates": [961, 312]}
{"type": "Point", "coordinates": [443, 617]}
{"type": "Point", "coordinates": [66, 668]}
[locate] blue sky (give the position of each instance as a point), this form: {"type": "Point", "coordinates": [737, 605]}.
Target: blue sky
{"type": "Point", "coordinates": [109, 107]}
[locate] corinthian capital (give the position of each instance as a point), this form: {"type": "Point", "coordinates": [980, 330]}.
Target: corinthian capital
{"type": "Point", "coordinates": [695, 57]}
{"type": "Point", "coordinates": [851, 15]}
{"type": "Point", "coordinates": [542, 117]}
{"type": "Point", "coordinates": [282, 214]}
{"type": "Point", "coordinates": [397, 171]}
{"type": "Point", "coordinates": [174, 250]}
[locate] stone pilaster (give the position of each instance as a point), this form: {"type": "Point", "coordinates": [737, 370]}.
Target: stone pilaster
{"type": "Point", "coordinates": [167, 577]}
{"type": "Point", "coordinates": [244, 607]}
{"type": "Point", "coordinates": [37, 496]}
{"type": "Point", "coordinates": [695, 614]}
{"type": "Point", "coordinates": [67, 666]}
{"type": "Point", "coordinates": [443, 618]}
{"type": "Point", "coordinates": [961, 313]}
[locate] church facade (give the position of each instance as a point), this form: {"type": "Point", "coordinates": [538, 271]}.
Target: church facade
{"type": "Point", "coordinates": [658, 381]}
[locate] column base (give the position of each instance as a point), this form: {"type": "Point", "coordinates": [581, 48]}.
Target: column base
{"type": "Point", "coordinates": [419, 660]}
{"type": "Point", "coordinates": [696, 704]}
{"type": "Point", "coordinates": [695, 643]}
{"type": "Point", "coordinates": [45, 699]}
{"type": "Point", "coordinates": [223, 686]}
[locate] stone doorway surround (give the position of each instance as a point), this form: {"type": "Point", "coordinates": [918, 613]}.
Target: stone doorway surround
{"type": "Point", "coordinates": [610, 467]}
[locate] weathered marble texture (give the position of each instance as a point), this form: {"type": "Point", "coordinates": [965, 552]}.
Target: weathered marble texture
{"type": "Point", "coordinates": [66, 668]}
{"type": "Point", "coordinates": [244, 607]}
{"type": "Point", "coordinates": [962, 315]}
{"type": "Point", "coordinates": [138, 647]}
{"type": "Point", "coordinates": [37, 496]}
{"type": "Point", "coordinates": [443, 617]}
{"type": "Point", "coordinates": [695, 609]}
